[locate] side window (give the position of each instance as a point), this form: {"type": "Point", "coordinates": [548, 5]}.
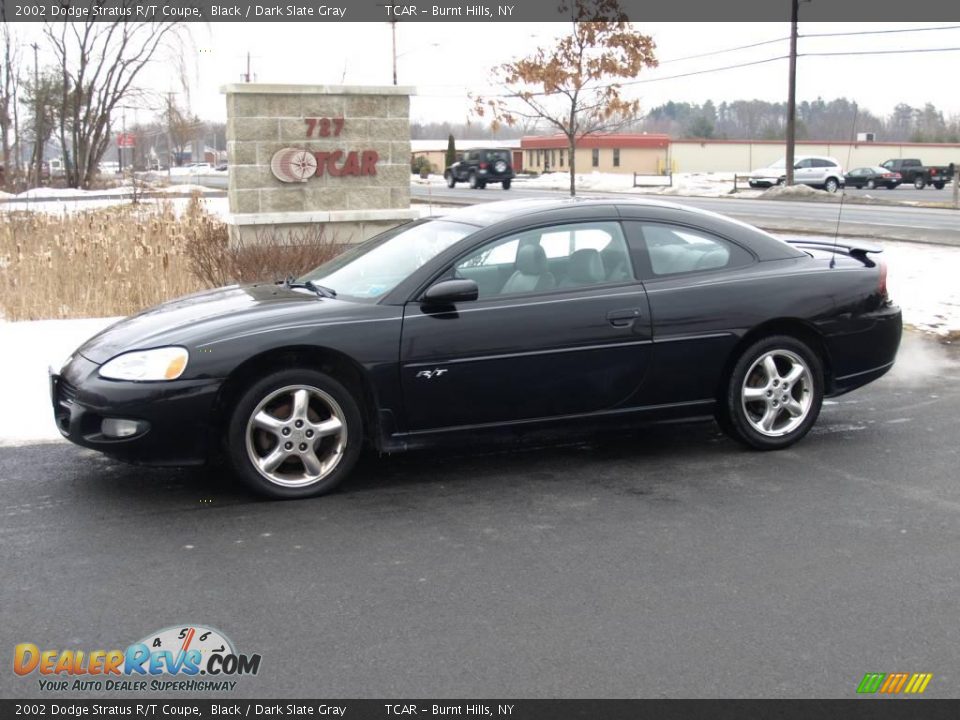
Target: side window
{"type": "Point", "coordinates": [544, 259]}
{"type": "Point", "coordinates": [804, 164]}
{"type": "Point", "coordinates": [673, 250]}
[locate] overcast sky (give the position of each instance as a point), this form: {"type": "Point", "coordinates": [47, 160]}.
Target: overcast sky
{"type": "Point", "coordinates": [434, 57]}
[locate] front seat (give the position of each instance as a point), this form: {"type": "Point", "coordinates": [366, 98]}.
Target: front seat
{"type": "Point", "coordinates": [531, 274]}
{"type": "Point", "coordinates": [585, 268]}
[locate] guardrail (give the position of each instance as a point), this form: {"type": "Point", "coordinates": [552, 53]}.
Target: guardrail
{"type": "Point", "coordinates": [668, 176]}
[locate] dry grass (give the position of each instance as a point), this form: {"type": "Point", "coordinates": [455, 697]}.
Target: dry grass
{"type": "Point", "coordinates": [120, 260]}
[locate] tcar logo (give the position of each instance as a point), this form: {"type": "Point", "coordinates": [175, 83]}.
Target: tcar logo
{"type": "Point", "coordinates": [293, 166]}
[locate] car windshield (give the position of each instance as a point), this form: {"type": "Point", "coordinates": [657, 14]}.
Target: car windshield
{"type": "Point", "coordinates": [782, 162]}
{"type": "Point", "coordinates": [372, 269]}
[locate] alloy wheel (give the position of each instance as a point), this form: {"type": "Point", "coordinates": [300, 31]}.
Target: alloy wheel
{"type": "Point", "coordinates": [777, 393]}
{"type": "Point", "coordinates": [296, 436]}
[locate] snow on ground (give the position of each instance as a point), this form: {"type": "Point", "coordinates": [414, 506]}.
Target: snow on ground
{"type": "Point", "coordinates": [58, 201]}
{"type": "Point", "coordinates": [32, 347]}
{"type": "Point", "coordinates": [921, 279]}
{"type": "Point", "coordinates": [691, 184]}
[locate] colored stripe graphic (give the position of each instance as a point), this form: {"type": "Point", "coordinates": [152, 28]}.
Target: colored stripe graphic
{"type": "Point", "coordinates": [871, 682]}
{"type": "Point", "coordinates": [894, 683]}
{"type": "Point", "coordinates": [918, 683]}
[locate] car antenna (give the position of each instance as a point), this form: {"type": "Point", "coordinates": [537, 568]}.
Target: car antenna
{"type": "Point", "coordinates": [843, 193]}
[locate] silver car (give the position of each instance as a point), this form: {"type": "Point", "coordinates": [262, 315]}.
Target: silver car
{"type": "Point", "coordinates": [814, 170]}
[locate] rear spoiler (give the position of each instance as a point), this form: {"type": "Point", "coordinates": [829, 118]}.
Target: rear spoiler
{"type": "Point", "coordinates": [852, 247]}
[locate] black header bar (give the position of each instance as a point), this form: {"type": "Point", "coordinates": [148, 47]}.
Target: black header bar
{"type": "Point", "coordinates": [273, 709]}
{"type": "Point", "coordinates": [480, 11]}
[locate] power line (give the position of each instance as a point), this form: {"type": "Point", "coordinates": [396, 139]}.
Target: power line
{"type": "Point", "coordinates": [721, 52]}
{"type": "Point", "coordinates": [880, 32]}
{"type": "Point", "coordinates": [880, 52]}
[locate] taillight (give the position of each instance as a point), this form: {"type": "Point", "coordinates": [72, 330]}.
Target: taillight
{"type": "Point", "coordinates": [483, 166]}
{"type": "Point", "coordinates": [882, 280]}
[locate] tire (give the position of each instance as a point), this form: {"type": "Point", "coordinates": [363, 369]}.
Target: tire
{"type": "Point", "coordinates": [331, 426]}
{"type": "Point", "coordinates": [765, 422]}
{"type": "Point", "coordinates": [451, 181]}
{"type": "Point", "coordinates": [871, 184]}
{"type": "Point", "coordinates": [890, 186]}
{"type": "Point", "coordinates": [506, 184]}
{"type": "Point", "coordinates": [939, 185]}
{"type": "Point", "coordinates": [919, 183]}
{"type": "Point", "coordinates": [781, 181]}
{"type": "Point", "coordinates": [831, 185]}
{"type": "Point", "coordinates": [472, 181]}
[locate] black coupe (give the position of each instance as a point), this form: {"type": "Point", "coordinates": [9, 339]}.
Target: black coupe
{"type": "Point", "coordinates": [501, 317]}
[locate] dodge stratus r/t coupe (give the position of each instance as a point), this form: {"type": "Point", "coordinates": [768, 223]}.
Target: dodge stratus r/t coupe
{"type": "Point", "coordinates": [501, 317]}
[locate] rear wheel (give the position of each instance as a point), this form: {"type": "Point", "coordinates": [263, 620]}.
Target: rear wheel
{"type": "Point", "coordinates": [871, 184]}
{"type": "Point", "coordinates": [774, 394]}
{"type": "Point", "coordinates": [506, 184]}
{"type": "Point", "coordinates": [939, 185]}
{"type": "Point", "coordinates": [294, 434]}
{"type": "Point", "coordinates": [472, 181]}
{"type": "Point", "coordinates": [920, 183]}
{"type": "Point", "coordinates": [451, 181]}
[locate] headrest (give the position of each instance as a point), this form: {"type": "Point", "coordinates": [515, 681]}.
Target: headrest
{"type": "Point", "coordinates": [586, 266]}
{"type": "Point", "coordinates": [531, 260]}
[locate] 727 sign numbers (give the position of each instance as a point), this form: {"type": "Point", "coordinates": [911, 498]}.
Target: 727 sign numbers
{"type": "Point", "coordinates": [323, 127]}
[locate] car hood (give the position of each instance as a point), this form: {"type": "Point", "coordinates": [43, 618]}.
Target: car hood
{"type": "Point", "coordinates": [210, 315]}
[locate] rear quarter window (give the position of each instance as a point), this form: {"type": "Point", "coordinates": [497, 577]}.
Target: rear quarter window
{"type": "Point", "coordinates": [671, 250]}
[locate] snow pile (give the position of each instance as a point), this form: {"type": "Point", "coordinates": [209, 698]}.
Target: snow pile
{"type": "Point", "coordinates": [799, 192]}
{"type": "Point", "coordinates": [24, 384]}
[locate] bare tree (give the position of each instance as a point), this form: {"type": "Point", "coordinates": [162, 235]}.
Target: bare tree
{"type": "Point", "coordinates": [9, 85]}
{"type": "Point", "coordinates": [43, 104]}
{"type": "Point", "coordinates": [99, 62]}
{"type": "Point", "coordinates": [572, 85]}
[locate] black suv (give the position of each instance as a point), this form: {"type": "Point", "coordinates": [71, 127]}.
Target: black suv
{"type": "Point", "coordinates": [480, 166]}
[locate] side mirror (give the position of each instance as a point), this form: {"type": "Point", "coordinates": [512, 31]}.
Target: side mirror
{"type": "Point", "coordinates": [451, 292]}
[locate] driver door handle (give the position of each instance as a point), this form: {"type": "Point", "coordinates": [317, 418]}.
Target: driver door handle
{"type": "Point", "coordinates": [623, 318]}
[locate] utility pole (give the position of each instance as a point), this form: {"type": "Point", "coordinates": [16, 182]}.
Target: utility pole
{"type": "Point", "coordinates": [393, 30]}
{"type": "Point", "coordinates": [38, 150]}
{"type": "Point", "coordinates": [792, 92]}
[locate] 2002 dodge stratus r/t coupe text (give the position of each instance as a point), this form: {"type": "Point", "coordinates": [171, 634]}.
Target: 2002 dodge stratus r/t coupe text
{"type": "Point", "coordinates": [505, 316]}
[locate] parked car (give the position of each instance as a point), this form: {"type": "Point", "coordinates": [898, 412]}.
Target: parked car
{"type": "Point", "coordinates": [873, 177]}
{"type": "Point", "coordinates": [481, 166]}
{"type": "Point", "coordinates": [814, 170]}
{"type": "Point", "coordinates": [498, 318]}
{"type": "Point", "coordinates": [919, 175]}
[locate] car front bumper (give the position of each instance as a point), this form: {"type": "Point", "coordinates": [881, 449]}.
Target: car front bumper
{"type": "Point", "coordinates": [174, 418]}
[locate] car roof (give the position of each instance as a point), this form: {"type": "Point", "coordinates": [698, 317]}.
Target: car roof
{"type": "Point", "coordinates": [488, 214]}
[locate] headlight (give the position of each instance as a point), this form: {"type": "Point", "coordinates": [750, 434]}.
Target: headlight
{"type": "Point", "coordinates": [167, 363]}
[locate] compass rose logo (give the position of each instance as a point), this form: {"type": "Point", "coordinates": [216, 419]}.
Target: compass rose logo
{"type": "Point", "coordinates": [291, 165]}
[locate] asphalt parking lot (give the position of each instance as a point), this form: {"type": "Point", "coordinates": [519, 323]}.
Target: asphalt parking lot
{"type": "Point", "coordinates": [667, 562]}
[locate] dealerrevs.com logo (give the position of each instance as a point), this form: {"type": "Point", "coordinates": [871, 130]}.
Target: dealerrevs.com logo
{"type": "Point", "coordinates": [179, 658]}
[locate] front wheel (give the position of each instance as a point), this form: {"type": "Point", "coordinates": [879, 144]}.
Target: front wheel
{"type": "Point", "coordinates": [831, 185]}
{"type": "Point", "coordinates": [774, 393]}
{"type": "Point", "coordinates": [294, 434]}
{"type": "Point", "coordinates": [451, 181]}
